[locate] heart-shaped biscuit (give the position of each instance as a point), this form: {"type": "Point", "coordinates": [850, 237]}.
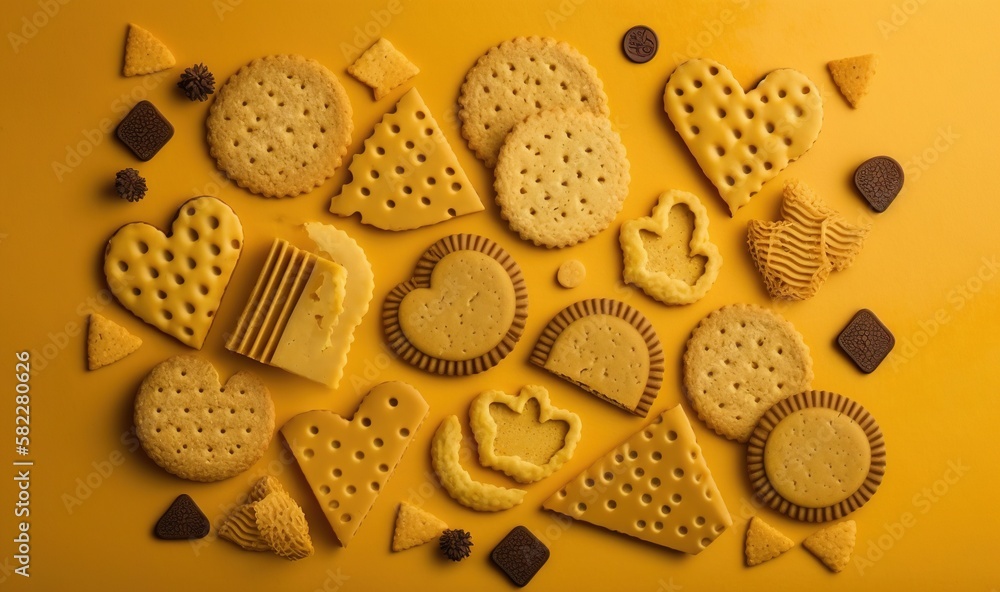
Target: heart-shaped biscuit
{"type": "Point", "coordinates": [524, 436]}
{"type": "Point", "coordinates": [175, 281]}
{"type": "Point", "coordinates": [197, 429]}
{"type": "Point", "coordinates": [742, 140]}
{"type": "Point", "coordinates": [665, 267]}
{"type": "Point", "coordinates": [462, 312]}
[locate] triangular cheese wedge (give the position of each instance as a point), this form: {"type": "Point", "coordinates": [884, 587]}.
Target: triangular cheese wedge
{"type": "Point", "coordinates": [407, 175]}
{"type": "Point", "coordinates": [853, 76]}
{"type": "Point", "coordinates": [108, 342]}
{"type": "Point", "coordinates": [764, 542]}
{"type": "Point", "coordinates": [655, 486]}
{"type": "Point", "coordinates": [144, 53]}
{"type": "Point", "coordinates": [347, 462]}
{"type": "Point", "coordinates": [415, 526]}
{"type": "Point", "coordinates": [833, 545]}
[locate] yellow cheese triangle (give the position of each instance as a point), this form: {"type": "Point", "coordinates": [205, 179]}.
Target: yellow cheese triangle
{"type": "Point", "coordinates": [347, 462]}
{"type": "Point", "coordinates": [853, 76]}
{"type": "Point", "coordinates": [145, 54]}
{"type": "Point", "coordinates": [655, 486]}
{"type": "Point", "coordinates": [108, 342]}
{"type": "Point", "coordinates": [764, 542]}
{"type": "Point", "coordinates": [415, 526]}
{"type": "Point", "coordinates": [407, 175]}
{"type": "Point", "coordinates": [833, 545]}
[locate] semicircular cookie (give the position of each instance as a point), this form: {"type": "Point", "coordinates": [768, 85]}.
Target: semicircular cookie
{"type": "Point", "coordinates": [280, 126]}
{"type": "Point", "coordinates": [740, 360]}
{"type": "Point", "coordinates": [521, 77]}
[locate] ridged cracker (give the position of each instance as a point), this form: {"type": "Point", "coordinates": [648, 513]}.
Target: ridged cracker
{"type": "Point", "coordinates": [280, 126]}
{"type": "Point", "coordinates": [562, 176]}
{"type": "Point", "coordinates": [740, 360]}
{"type": "Point", "coordinates": [519, 78]}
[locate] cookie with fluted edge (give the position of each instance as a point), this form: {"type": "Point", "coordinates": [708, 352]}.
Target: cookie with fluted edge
{"type": "Point", "coordinates": [519, 78]}
{"type": "Point", "coordinates": [740, 360]}
{"type": "Point", "coordinates": [561, 177]}
{"type": "Point", "coordinates": [280, 126]}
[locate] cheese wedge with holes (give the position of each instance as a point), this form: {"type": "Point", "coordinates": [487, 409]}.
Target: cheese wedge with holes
{"type": "Point", "coordinates": [348, 462]}
{"type": "Point", "coordinates": [407, 175]}
{"type": "Point", "coordinates": [655, 486]}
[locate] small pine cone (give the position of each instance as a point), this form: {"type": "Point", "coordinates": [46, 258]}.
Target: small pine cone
{"type": "Point", "coordinates": [130, 185]}
{"type": "Point", "coordinates": [456, 544]}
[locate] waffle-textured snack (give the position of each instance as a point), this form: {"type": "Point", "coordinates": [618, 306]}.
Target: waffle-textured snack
{"type": "Point", "coordinates": [270, 521]}
{"type": "Point", "coordinates": [740, 360]}
{"type": "Point", "coordinates": [668, 254]}
{"type": "Point", "coordinates": [445, 453]}
{"type": "Point", "coordinates": [561, 177]}
{"type": "Point", "coordinates": [108, 342]}
{"type": "Point", "coordinates": [415, 526]}
{"type": "Point", "coordinates": [764, 542]}
{"type": "Point", "coordinates": [520, 555]}
{"type": "Point", "coordinates": [198, 429]}
{"type": "Point", "coordinates": [347, 462]}
{"type": "Point", "coordinates": [280, 126]}
{"type": "Point", "coordinates": [383, 68]}
{"type": "Point", "coordinates": [866, 340]}
{"type": "Point", "coordinates": [144, 53]}
{"type": "Point", "coordinates": [519, 78]}
{"type": "Point", "coordinates": [741, 139]}
{"type": "Point", "coordinates": [853, 76]}
{"type": "Point", "coordinates": [523, 436]}
{"type": "Point", "coordinates": [463, 310]}
{"type": "Point", "coordinates": [833, 545]}
{"type": "Point", "coordinates": [816, 456]}
{"type": "Point", "coordinates": [608, 349]}
{"type": "Point", "coordinates": [655, 486]}
{"type": "Point", "coordinates": [175, 281]}
{"type": "Point", "coordinates": [407, 175]}
{"type": "Point", "coordinates": [144, 130]}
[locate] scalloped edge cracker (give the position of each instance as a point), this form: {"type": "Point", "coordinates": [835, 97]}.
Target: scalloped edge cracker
{"type": "Point", "coordinates": [833, 545]}
{"type": "Point", "coordinates": [764, 542]}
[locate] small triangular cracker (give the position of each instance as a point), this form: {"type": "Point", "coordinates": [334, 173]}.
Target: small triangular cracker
{"type": "Point", "coordinates": [383, 68]}
{"type": "Point", "coordinates": [764, 542]}
{"type": "Point", "coordinates": [415, 526]}
{"type": "Point", "coordinates": [853, 76]}
{"type": "Point", "coordinates": [833, 545]}
{"type": "Point", "coordinates": [108, 342]}
{"type": "Point", "coordinates": [144, 53]}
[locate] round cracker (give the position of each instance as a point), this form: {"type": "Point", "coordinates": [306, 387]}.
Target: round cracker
{"type": "Point", "coordinates": [280, 126]}
{"type": "Point", "coordinates": [519, 78]}
{"type": "Point", "coordinates": [561, 177]}
{"type": "Point", "coordinates": [740, 360]}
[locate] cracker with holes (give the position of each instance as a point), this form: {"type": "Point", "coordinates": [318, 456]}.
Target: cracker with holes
{"type": "Point", "coordinates": [740, 360]}
{"type": "Point", "coordinates": [608, 349]}
{"type": "Point", "coordinates": [347, 462]}
{"type": "Point", "coordinates": [525, 436]}
{"type": "Point", "coordinates": [656, 486]}
{"type": "Point", "coordinates": [175, 281]}
{"type": "Point", "coordinates": [462, 312]}
{"type": "Point", "coordinates": [280, 126]}
{"type": "Point", "coordinates": [195, 427]}
{"type": "Point", "coordinates": [561, 177]}
{"type": "Point", "coordinates": [741, 139]}
{"type": "Point", "coordinates": [382, 67]}
{"type": "Point", "coordinates": [520, 78]}
{"type": "Point", "coordinates": [669, 254]}
{"type": "Point", "coordinates": [407, 175]}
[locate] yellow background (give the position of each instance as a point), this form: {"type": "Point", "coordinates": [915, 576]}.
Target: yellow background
{"type": "Point", "coordinates": [928, 270]}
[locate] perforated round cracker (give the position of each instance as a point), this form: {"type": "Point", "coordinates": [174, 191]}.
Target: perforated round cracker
{"type": "Point", "coordinates": [561, 177]}
{"type": "Point", "coordinates": [740, 360]}
{"type": "Point", "coordinates": [280, 126]}
{"type": "Point", "coordinates": [519, 78]}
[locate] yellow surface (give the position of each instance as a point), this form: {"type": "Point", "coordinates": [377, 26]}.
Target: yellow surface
{"type": "Point", "coordinates": [929, 270]}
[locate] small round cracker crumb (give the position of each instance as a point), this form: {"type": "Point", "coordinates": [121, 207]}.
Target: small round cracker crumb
{"type": "Point", "coordinates": [571, 273]}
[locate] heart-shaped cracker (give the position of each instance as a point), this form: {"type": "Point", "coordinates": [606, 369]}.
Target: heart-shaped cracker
{"type": "Point", "coordinates": [742, 140]}
{"type": "Point", "coordinates": [525, 448]}
{"type": "Point", "coordinates": [175, 281]}
{"type": "Point", "coordinates": [671, 275]}
{"type": "Point", "coordinates": [462, 312]}
{"type": "Point", "coordinates": [197, 429]}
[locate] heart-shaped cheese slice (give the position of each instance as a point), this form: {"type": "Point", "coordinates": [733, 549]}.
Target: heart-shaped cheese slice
{"type": "Point", "coordinates": [742, 140]}
{"type": "Point", "coordinates": [175, 281]}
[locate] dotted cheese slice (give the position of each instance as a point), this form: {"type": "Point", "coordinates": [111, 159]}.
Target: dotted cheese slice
{"type": "Point", "coordinates": [407, 175]}
{"type": "Point", "coordinates": [655, 486]}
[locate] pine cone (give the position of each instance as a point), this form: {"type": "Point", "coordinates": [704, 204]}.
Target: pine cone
{"type": "Point", "coordinates": [456, 544]}
{"type": "Point", "coordinates": [197, 82]}
{"type": "Point", "coordinates": [130, 185]}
